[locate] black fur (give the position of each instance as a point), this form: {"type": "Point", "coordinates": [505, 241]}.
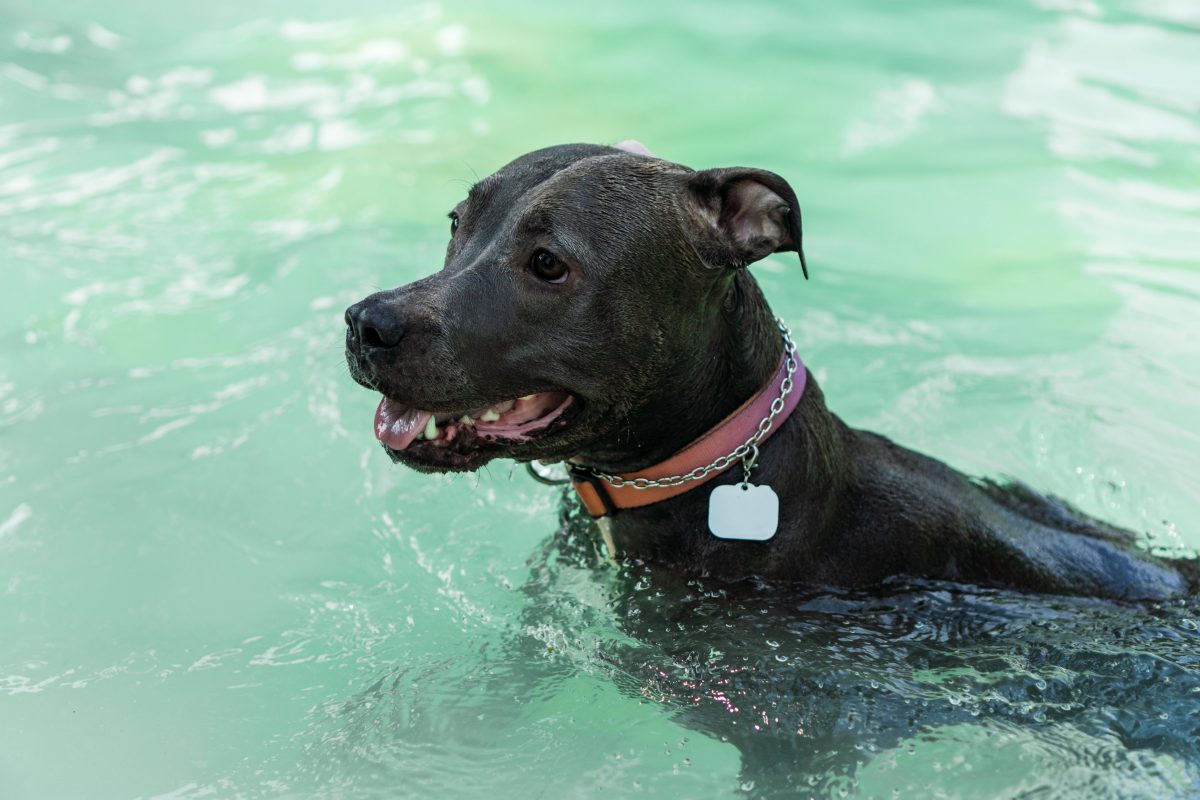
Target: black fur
{"type": "Point", "coordinates": [657, 345]}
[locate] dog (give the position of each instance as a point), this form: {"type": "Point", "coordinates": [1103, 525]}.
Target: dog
{"type": "Point", "coordinates": [595, 309]}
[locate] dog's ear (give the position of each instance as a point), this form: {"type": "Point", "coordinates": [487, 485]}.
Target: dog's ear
{"type": "Point", "coordinates": [741, 215]}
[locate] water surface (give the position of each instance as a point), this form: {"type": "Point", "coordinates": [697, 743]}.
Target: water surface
{"type": "Point", "coordinates": [214, 584]}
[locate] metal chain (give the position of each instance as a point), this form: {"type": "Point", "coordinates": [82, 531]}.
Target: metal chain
{"type": "Point", "coordinates": [740, 452]}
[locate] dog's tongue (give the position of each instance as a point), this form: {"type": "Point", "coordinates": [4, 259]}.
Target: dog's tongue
{"type": "Point", "coordinates": [397, 425]}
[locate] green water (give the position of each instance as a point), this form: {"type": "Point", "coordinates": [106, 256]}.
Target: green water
{"type": "Point", "coordinates": [214, 584]}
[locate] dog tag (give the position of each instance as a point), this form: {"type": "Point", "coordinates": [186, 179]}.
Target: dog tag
{"type": "Point", "coordinates": [743, 511]}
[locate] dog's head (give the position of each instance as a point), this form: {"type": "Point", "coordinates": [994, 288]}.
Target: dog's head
{"type": "Point", "coordinates": [573, 277]}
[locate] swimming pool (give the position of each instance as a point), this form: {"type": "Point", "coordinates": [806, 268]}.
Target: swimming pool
{"type": "Point", "coordinates": [214, 584]}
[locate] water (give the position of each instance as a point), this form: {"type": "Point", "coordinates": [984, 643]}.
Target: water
{"type": "Point", "coordinates": [213, 583]}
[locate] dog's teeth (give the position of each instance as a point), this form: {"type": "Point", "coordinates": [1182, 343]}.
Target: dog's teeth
{"type": "Point", "coordinates": [465, 419]}
{"type": "Point", "coordinates": [528, 397]}
{"type": "Point", "coordinates": [431, 429]}
{"type": "Point", "coordinates": [489, 416]}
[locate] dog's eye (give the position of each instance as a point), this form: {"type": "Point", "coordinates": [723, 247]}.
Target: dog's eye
{"type": "Point", "coordinates": [548, 267]}
{"type": "Point", "coordinates": [453, 223]}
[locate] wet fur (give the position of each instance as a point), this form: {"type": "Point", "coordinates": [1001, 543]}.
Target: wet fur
{"type": "Point", "coordinates": [660, 341]}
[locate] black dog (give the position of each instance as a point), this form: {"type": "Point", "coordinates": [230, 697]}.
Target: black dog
{"type": "Point", "coordinates": [594, 308]}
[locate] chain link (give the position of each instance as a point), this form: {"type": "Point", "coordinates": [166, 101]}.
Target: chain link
{"type": "Point", "coordinates": [740, 452]}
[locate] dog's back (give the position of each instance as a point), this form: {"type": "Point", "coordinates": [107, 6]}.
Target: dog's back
{"type": "Point", "coordinates": [1053, 512]}
{"type": "Point", "coordinates": [918, 516]}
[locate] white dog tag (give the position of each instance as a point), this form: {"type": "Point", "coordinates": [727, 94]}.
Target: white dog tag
{"type": "Point", "coordinates": [743, 511]}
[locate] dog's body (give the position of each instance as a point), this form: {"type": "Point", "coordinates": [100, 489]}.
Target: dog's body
{"type": "Point", "coordinates": [605, 289]}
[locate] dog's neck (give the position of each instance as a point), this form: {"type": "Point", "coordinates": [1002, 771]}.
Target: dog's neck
{"type": "Point", "coordinates": [731, 359]}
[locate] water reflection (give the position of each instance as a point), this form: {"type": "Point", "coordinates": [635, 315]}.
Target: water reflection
{"type": "Point", "coordinates": [824, 692]}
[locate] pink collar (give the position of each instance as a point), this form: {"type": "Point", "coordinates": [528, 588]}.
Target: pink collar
{"type": "Point", "coordinates": [601, 498]}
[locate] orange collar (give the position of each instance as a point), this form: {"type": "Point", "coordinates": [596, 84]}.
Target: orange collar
{"type": "Point", "coordinates": [601, 498]}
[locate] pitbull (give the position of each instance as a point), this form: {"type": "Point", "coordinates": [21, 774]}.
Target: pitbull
{"type": "Point", "coordinates": [594, 308]}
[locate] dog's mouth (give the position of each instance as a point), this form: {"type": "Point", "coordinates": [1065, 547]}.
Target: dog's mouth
{"type": "Point", "coordinates": [454, 440]}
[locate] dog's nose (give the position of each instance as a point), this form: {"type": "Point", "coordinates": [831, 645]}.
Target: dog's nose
{"type": "Point", "coordinates": [373, 325]}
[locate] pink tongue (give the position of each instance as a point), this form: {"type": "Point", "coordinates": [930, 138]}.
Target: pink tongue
{"type": "Point", "coordinates": [396, 425]}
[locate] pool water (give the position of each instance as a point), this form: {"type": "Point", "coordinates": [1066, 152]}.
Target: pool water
{"type": "Point", "coordinates": [213, 583]}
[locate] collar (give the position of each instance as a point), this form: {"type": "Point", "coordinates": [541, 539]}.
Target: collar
{"type": "Point", "coordinates": [601, 498]}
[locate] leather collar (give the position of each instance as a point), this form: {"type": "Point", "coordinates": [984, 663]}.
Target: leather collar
{"type": "Point", "coordinates": [601, 498]}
